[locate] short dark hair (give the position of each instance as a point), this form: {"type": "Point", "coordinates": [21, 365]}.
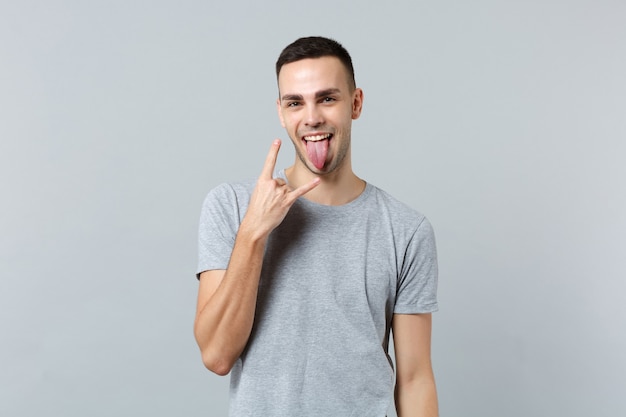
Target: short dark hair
{"type": "Point", "coordinates": [316, 47]}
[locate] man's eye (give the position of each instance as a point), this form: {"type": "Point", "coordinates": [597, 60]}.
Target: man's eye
{"type": "Point", "coordinates": [293, 104]}
{"type": "Point", "coordinates": [328, 100]}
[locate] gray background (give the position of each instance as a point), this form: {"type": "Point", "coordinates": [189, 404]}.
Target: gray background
{"type": "Point", "coordinates": [504, 122]}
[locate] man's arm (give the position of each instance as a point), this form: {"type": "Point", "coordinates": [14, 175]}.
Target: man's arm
{"type": "Point", "coordinates": [415, 393]}
{"type": "Point", "coordinates": [227, 298]}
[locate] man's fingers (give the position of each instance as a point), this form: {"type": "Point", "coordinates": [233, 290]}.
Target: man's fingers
{"type": "Point", "coordinates": [270, 161]}
{"type": "Point", "coordinates": [303, 189]}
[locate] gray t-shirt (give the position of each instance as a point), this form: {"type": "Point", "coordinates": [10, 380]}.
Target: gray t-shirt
{"type": "Point", "coordinates": [332, 278]}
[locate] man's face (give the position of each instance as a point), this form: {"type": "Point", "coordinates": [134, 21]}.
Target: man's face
{"type": "Point", "coordinates": [316, 106]}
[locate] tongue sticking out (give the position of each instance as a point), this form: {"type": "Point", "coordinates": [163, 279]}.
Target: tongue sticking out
{"type": "Point", "coordinates": [317, 152]}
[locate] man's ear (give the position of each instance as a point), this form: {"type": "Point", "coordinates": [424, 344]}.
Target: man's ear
{"type": "Point", "coordinates": [357, 103]}
{"type": "Point", "coordinates": [280, 113]}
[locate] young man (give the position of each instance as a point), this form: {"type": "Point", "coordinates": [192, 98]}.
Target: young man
{"type": "Point", "coordinates": [304, 272]}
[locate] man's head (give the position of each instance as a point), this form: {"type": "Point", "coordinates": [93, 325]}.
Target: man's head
{"type": "Point", "coordinates": [317, 103]}
{"type": "Point", "coordinates": [316, 47]}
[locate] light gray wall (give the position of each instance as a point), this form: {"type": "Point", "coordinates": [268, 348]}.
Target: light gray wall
{"type": "Point", "coordinates": [504, 122]}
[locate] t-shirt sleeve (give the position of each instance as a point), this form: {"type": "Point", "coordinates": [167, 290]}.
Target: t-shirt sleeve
{"type": "Point", "coordinates": [219, 222]}
{"type": "Point", "coordinates": [417, 286]}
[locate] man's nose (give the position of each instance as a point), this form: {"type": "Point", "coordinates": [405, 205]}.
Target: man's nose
{"type": "Point", "coordinates": [313, 116]}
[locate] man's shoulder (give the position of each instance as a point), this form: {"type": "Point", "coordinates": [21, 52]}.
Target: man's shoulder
{"type": "Point", "coordinates": [395, 207]}
{"type": "Point", "coordinates": [232, 187]}
{"type": "Point", "coordinates": [404, 220]}
{"type": "Point", "coordinates": [235, 193]}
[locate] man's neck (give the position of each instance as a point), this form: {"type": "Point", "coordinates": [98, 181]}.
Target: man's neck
{"type": "Point", "coordinates": [335, 189]}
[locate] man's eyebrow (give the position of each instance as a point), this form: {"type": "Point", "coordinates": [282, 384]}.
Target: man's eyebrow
{"type": "Point", "coordinates": [319, 94]}
{"type": "Point", "coordinates": [292, 97]}
{"type": "Point", "coordinates": [327, 92]}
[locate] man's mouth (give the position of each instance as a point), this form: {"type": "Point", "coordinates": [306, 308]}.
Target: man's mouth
{"type": "Point", "coordinates": [317, 148]}
{"type": "Point", "coordinates": [317, 138]}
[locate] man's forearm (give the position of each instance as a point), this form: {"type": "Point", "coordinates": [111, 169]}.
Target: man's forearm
{"type": "Point", "coordinates": [417, 398]}
{"type": "Point", "coordinates": [223, 324]}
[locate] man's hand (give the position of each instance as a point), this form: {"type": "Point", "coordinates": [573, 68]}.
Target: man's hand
{"type": "Point", "coordinates": [272, 197]}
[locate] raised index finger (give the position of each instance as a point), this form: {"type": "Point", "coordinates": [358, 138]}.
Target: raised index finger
{"type": "Point", "coordinates": [270, 160]}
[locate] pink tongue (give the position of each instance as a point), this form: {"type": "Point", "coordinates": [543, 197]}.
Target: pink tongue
{"type": "Point", "coordinates": [317, 152]}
